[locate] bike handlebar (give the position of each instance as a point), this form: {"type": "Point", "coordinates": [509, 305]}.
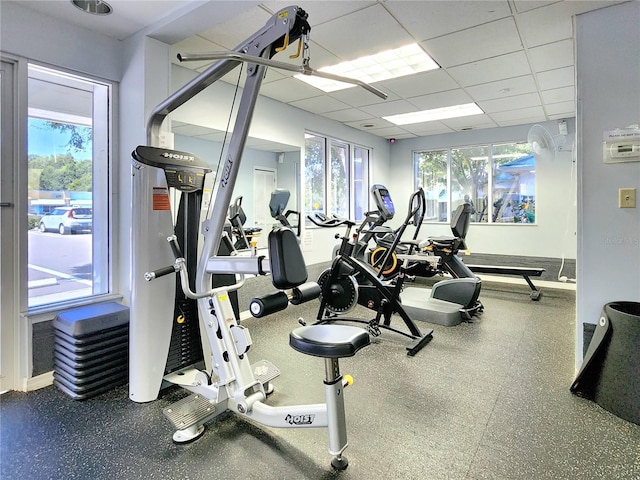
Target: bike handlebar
{"type": "Point", "coordinates": [324, 221]}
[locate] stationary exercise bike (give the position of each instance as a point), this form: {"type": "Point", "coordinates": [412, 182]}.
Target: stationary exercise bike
{"type": "Point", "coordinates": [351, 281]}
{"type": "Point", "coordinates": [227, 381]}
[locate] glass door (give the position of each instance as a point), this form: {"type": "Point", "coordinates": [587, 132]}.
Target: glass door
{"type": "Point", "coordinates": [8, 221]}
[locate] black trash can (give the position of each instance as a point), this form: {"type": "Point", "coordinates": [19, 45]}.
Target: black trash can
{"type": "Point", "coordinates": [610, 372]}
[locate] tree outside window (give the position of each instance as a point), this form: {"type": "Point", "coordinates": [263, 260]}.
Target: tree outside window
{"type": "Point", "coordinates": [314, 176]}
{"type": "Point", "coordinates": [431, 174]}
{"type": "Point", "coordinates": [514, 184]}
{"type": "Point", "coordinates": [499, 181]}
{"type": "Point", "coordinates": [336, 178]}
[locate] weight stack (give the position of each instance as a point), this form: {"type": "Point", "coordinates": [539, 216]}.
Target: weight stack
{"type": "Point", "coordinates": [91, 349]}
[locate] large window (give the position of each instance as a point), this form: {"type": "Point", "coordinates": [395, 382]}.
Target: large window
{"type": "Point", "coordinates": [498, 180]}
{"type": "Point", "coordinates": [336, 177]}
{"type": "Point", "coordinates": [68, 159]}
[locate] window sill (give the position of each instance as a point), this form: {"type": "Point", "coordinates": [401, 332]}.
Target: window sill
{"type": "Point", "coordinates": [46, 313]}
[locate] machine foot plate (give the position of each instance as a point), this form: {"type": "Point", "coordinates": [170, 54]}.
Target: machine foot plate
{"type": "Point", "coordinates": [192, 410]}
{"type": "Point", "coordinates": [264, 371]}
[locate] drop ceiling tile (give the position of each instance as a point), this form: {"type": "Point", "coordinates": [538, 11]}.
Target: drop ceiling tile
{"type": "Point", "coordinates": [359, 97]}
{"type": "Point", "coordinates": [552, 22]}
{"type": "Point", "coordinates": [389, 132]}
{"type": "Point", "coordinates": [365, 124]}
{"type": "Point", "coordinates": [420, 83]}
{"type": "Point", "coordinates": [233, 32]}
{"type": "Point", "coordinates": [557, 95]}
{"type": "Point", "coordinates": [472, 122]}
{"type": "Point", "coordinates": [289, 90]}
{"type": "Point", "coordinates": [560, 77]}
{"type": "Point", "coordinates": [319, 104]}
{"type": "Point", "coordinates": [503, 88]}
{"type": "Point", "coordinates": [389, 108]}
{"type": "Point", "coordinates": [491, 70]}
{"type": "Point", "coordinates": [475, 43]}
{"type": "Point", "coordinates": [521, 121]}
{"type": "Point", "coordinates": [425, 20]}
{"type": "Point", "coordinates": [552, 56]}
{"type": "Point", "coordinates": [428, 128]}
{"type": "Point", "coordinates": [318, 57]}
{"type": "Point", "coordinates": [441, 99]}
{"type": "Point", "coordinates": [525, 5]}
{"type": "Point", "coordinates": [510, 103]}
{"type": "Point", "coordinates": [348, 115]}
{"type": "Point", "coordinates": [563, 108]}
{"type": "Point", "coordinates": [364, 32]}
{"type": "Point", "coordinates": [520, 114]}
{"type": "Point", "coordinates": [322, 11]}
{"type": "Point", "coordinates": [546, 25]}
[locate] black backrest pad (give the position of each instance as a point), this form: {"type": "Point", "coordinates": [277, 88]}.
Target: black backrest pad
{"type": "Point", "coordinates": [288, 269]}
{"type": "Point", "coordinates": [460, 220]}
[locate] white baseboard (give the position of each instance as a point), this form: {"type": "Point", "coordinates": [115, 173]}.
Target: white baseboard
{"type": "Point", "coordinates": [37, 382]}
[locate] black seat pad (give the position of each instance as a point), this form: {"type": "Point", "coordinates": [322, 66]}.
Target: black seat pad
{"type": "Point", "coordinates": [329, 341]}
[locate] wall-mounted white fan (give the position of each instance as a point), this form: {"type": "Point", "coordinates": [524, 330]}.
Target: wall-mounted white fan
{"type": "Point", "coordinates": [543, 143]}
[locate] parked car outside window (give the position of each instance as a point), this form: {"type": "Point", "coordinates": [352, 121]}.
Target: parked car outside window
{"type": "Point", "coordinates": [67, 220]}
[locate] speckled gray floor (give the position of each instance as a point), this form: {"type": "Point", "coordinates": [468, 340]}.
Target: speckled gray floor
{"type": "Point", "coordinates": [484, 400]}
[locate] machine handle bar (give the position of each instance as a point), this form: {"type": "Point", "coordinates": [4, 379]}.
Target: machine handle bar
{"type": "Point", "coordinates": [330, 222]}
{"type": "Point", "coordinates": [175, 248]}
{"type": "Point", "coordinates": [181, 267]}
{"type": "Point", "coordinates": [161, 272]}
{"type": "Point", "coordinates": [304, 69]}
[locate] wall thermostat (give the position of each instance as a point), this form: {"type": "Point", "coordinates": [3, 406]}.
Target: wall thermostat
{"type": "Point", "coordinates": [624, 150]}
{"type": "Point", "coordinates": [621, 146]}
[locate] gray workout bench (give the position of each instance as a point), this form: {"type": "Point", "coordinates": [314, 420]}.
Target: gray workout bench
{"type": "Point", "coordinates": [523, 272]}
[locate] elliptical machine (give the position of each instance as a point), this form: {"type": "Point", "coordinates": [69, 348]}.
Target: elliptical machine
{"type": "Point", "coordinates": [394, 255]}
{"type": "Point", "coordinates": [426, 257]}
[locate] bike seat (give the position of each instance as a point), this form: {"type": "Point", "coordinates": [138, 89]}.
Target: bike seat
{"type": "Point", "coordinates": [329, 341]}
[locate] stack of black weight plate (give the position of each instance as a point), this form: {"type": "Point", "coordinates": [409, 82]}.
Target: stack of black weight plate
{"type": "Point", "coordinates": [91, 353]}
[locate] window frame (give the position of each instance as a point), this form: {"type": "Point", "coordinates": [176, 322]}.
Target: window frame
{"type": "Point", "coordinates": [352, 208]}
{"type": "Point", "coordinates": [104, 177]}
{"type": "Point", "coordinates": [490, 187]}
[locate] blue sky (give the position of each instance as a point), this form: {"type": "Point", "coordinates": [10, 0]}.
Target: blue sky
{"type": "Point", "coordinates": [46, 141]}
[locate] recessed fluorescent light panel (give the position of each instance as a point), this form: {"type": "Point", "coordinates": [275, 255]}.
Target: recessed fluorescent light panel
{"type": "Point", "coordinates": [435, 114]}
{"type": "Point", "coordinates": [394, 63]}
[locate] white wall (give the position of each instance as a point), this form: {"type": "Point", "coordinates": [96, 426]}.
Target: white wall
{"type": "Point", "coordinates": [608, 87]}
{"type": "Point", "coordinates": [32, 35]}
{"type": "Point", "coordinates": [554, 232]}
{"type": "Point", "coordinates": [210, 152]}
